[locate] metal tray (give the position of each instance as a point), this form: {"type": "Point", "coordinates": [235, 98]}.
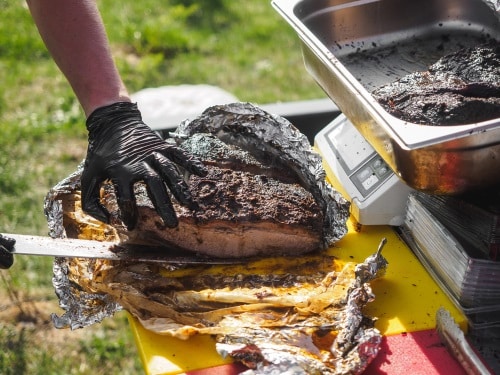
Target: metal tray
{"type": "Point", "coordinates": [352, 47]}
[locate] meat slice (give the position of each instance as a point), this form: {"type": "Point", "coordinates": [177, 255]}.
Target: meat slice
{"type": "Point", "coordinates": [460, 88]}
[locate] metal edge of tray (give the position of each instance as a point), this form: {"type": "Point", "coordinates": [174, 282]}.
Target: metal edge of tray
{"type": "Point", "coordinates": [415, 152]}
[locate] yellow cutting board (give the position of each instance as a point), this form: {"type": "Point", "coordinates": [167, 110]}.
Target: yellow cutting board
{"type": "Point", "coordinates": [406, 300]}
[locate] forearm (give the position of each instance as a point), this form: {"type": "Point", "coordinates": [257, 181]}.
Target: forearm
{"type": "Point", "coordinates": [75, 36]}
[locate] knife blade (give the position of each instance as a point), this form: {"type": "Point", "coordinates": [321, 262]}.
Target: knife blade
{"type": "Point", "coordinates": [78, 248]}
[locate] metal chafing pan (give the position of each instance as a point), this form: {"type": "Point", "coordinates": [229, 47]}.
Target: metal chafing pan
{"type": "Point", "coordinates": [352, 47]}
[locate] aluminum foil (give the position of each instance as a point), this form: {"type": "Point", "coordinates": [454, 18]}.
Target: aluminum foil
{"type": "Point", "coordinates": [287, 350]}
{"type": "Point", "coordinates": [82, 307]}
{"type": "Point", "coordinates": [281, 141]}
{"type": "Point", "coordinates": [285, 315]}
{"type": "Point", "coordinates": [373, 267]}
{"type": "Point", "coordinates": [52, 205]}
{"type": "Point", "coordinates": [495, 5]}
{"type": "Point", "coordinates": [305, 322]}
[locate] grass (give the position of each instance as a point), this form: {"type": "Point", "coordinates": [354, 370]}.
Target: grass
{"type": "Point", "coordinates": [243, 47]}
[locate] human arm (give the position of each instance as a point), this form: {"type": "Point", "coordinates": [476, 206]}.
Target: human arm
{"type": "Point", "coordinates": [121, 147]}
{"type": "Point", "coordinates": [75, 36]}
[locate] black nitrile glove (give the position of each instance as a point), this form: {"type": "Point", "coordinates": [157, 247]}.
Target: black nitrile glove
{"type": "Point", "coordinates": [125, 150]}
{"type": "Point", "coordinates": [6, 249]}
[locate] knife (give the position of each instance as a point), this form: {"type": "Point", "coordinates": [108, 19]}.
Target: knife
{"type": "Point", "coordinates": [77, 248]}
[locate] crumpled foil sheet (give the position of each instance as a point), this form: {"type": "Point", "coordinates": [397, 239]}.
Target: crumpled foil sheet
{"type": "Point", "coordinates": [281, 351]}
{"type": "Point", "coordinates": [495, 5]}
{"type": "Point", "coordinates": [300, 317]}
{"type": "Point", "coordinates": [84, 307]}
{"type": "Point", "coordinates": [52, 205]}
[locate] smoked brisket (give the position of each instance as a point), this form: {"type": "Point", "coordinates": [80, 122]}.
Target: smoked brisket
{"type": "Point", "coordinates": [460, 88]}
{"type": "Point", "coordinates": [241, 213]}
{"type": "Point", "coordinates": [265, 193]}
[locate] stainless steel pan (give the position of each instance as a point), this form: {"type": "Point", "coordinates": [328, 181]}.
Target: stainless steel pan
{"type": "Point", "coordinates": [351, 47]}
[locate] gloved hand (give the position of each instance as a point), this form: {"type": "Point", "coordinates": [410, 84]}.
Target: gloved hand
{"type": "Point", "coordinates": [6, 249]}
{"type": "Point", "coordinates": [125, 150]}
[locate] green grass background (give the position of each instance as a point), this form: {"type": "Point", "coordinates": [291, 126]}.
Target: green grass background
{"type": "Point", "coordinates": [244, 47]}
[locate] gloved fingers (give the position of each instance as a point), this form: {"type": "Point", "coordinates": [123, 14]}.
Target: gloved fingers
{"type": "Point", "coordinates": [91, 203]}
{"type": "Point", "coordinates": [161, 201]}
{"type": "Point", "coordinates": [185, 160]}
{"type": "Point", "coordinates": [6, 258]}
{"type": "Point", "coordinates": [7, 242]}
{"type": "Point", "coordinates": [168, 172]}
{"type": "Point", "coordinates": [125, 198]}
{"type": "Point", "coordinates": [6, 248]}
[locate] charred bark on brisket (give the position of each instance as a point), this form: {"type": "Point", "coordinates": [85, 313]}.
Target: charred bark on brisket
{"type": "Point", "coordinates": [246, 207]}
{"type": "Point", "coordinates": [460, 88]}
